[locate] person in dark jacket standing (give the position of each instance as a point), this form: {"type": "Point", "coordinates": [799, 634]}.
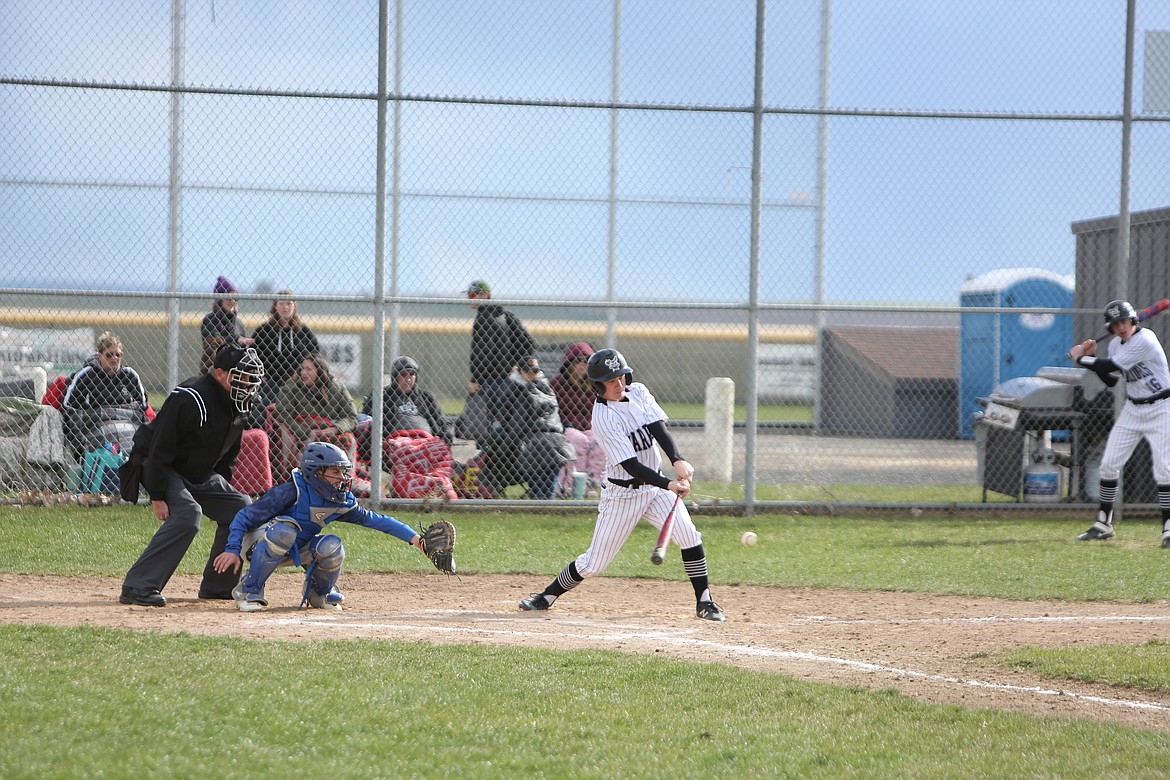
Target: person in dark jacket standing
{"type": "Point", "coordinates": [282, 342]}
{"type": "Point", "coordinates": [498, 342]}
{"type": "Point", "coordinates": [191, 449]}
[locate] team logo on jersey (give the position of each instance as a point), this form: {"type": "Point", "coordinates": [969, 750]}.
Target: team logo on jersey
{"type": "Point", "coordinates": [1139, 371]}
{"type": "Point", "coordinates": [640, 439]}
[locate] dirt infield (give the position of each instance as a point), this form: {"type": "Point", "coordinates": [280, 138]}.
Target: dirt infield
{"type": "Point", "coordinates": [930, 648]}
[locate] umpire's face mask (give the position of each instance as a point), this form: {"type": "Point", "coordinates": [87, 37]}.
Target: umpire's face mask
{"type": "Point", "coordinates": [244, 380]}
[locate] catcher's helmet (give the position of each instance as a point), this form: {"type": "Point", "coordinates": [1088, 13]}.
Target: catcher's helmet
{"type": "Point", "coordinates": [321, 455]}
{"type": "Point", "coordinates": [604, 365]}
{"type": "Point", "coordinates": [1117, 311]}
{"type": "Point", "coordinates": [404, 363]}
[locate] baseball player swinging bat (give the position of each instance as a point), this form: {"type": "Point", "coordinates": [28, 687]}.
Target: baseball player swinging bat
{"type": "Point", "coordinates": [659, 553]}
{"type": "Point", "coordinates": [1142, 316]}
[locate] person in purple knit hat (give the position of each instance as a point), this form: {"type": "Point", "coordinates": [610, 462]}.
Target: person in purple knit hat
{"type": "Point", "coordinates": [222, 325]}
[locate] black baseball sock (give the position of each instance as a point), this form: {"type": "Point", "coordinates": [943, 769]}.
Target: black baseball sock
{"type": "Point", "coordinates": [565, 581]}
{"type": "Point", "coordinates": [1108, 491]}
{"type": "Point", "coordinates": [695, 564]}
{"type": "Point", "coordinates": [1164, 505]}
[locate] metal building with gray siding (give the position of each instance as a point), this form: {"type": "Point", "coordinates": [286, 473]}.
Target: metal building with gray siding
{"type": "Point", "coordinates": [899, 382]}
{"type": "Point", "coordinates": [1149, 268]}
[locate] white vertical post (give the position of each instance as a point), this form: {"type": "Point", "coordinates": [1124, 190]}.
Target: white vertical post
{"type": "Point", "coordinates": [719, 428]}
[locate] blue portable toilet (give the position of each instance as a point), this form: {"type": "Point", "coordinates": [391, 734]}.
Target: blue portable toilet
{"type": "Point", "coordinates": [996, 347]}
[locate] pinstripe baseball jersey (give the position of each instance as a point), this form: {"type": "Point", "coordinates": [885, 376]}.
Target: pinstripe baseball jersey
{"type": "Point", "coordinates": [621, 429]}
{"type": "Point", "coordinates": [1143, 362]}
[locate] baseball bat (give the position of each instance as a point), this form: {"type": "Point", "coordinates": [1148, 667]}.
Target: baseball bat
{"type": "Point", "coordinates": [1142, 316]}
{"type": "Point", "coordinates": [659, 553]}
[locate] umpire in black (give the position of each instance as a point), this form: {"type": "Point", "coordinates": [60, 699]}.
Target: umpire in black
{"type": "Point", "coordinates": [191, 449]}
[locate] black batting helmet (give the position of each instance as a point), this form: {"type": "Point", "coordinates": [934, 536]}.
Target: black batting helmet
{"type": "Point", "coordinates": [604, 365]}
{"type": "Point", "coordinates": [1117, 311]}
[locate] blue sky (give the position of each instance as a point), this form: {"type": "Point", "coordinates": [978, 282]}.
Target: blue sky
{"type": "Point", "coordinates": [518, 195]}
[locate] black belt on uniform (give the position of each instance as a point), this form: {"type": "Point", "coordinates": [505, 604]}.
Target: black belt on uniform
{"type": "Point", "coordinates": [1152, 398]}
{"type": "Point", "coordinates": [628, 483]}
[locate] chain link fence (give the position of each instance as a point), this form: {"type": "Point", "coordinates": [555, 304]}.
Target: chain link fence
{"type": "Point", "coordinates": [824, 234]}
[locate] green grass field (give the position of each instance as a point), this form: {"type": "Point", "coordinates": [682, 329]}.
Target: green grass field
{"type": "Point", "coordinates": [89, 702]}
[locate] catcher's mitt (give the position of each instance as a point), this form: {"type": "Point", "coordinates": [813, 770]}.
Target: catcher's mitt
{"type": "Point", "coordinates": [438, 540]}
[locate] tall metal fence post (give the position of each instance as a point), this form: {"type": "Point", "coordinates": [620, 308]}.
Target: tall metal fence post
{"type": "Point", "coordinates": [753, 345]}
{"type": "Point", "coordinates": [175, 204]}
{"type": "Point", "coordinates": [379, 303]}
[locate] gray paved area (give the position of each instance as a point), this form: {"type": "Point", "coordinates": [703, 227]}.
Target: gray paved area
{"type": "Point", "coordinates": [801, 458]}
{"type": "Point", "coordinates": [807, 459]}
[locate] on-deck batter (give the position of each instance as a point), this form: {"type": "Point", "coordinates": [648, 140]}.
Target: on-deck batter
{"type": "Point", "coordinates": [626, 423]}
{"type": "Point", "coordinates": [1137, 355]}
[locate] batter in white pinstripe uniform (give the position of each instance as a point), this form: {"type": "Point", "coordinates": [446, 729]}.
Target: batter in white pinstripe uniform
{"type": "Point", "coordinates": [1137, 355]}
{"type": "Point", "coordinates": [627, 421]}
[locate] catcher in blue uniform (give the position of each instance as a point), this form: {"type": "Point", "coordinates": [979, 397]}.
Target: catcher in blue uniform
{"type": "Point", "coordinates": [286, 526]}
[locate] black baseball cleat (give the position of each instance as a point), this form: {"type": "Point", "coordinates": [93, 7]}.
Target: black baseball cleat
{"type": "Point", "coordinates": [709, 610]}
{"type": "Point", "coordinates": [1166, 540]}
{"type": "Point", "coordinates": [208, 595]}
{"type": "Point", "coordinates": [535, 602]}
{"type": "Point", "coordinates": [1097, 532]}
{"type": "Point", "coordinates": [143, 597]}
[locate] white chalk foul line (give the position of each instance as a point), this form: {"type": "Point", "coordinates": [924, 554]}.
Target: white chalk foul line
{"type": "Point", "coordinates": [744, 650]}
{"type": "Point", "coordinates": [826, 620]}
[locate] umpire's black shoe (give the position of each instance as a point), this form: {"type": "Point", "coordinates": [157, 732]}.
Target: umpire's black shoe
{"type": "Point", "coordinates": [143, 597]}
{"type": "Point", "coordinates": [1098, 531]}
{"type": "Point", "coordinates": [709, 610]}
{"type": "Point", "coordinates": [535, 602]}
{"type": "Point", "coordinates": [208, 595]}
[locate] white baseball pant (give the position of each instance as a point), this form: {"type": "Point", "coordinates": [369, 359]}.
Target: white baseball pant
{"type": "Point", "coordinates": [1151, 421]}
{"type": "Point", "coordinates": [619, 510]}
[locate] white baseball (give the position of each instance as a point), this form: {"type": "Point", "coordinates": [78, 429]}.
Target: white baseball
{"type": "Point", "coordinates": [748, 538]}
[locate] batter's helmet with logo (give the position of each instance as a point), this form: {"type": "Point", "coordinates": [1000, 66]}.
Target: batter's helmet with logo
{"type": "Point", "coordinates": [604, 365]}
{"type": "Point", "coordinates": [1117, 311]}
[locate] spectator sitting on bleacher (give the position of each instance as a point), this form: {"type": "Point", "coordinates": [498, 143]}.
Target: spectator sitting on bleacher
{"type": "Point", "coordinates": [531, 446]}
{"type": "Point", "coordinates": [575, 399]}
{"type": "Point", "coordinates": [103, 397]}
{"type": "Point", "coordinates": [416, 441]}
{"type": "Point", "coordinates": [406, 406]}
{"type": "Point", "coordinates": [313, 406]}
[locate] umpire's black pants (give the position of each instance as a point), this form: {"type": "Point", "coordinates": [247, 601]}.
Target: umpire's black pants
{"type": "Point", "coordinates": [188, 502]}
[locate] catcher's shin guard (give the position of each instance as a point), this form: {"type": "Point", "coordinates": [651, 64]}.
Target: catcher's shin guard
{"type": "Point", "coordinates": [279, 537]}
{"type": "Point", "coordinates": [322, 575]}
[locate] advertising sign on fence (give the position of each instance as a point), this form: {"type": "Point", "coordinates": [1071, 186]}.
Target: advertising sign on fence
{"type": "Point", "coordinates": [343, 353]}
{"type": "Point", "coordinates": [56, 351]}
